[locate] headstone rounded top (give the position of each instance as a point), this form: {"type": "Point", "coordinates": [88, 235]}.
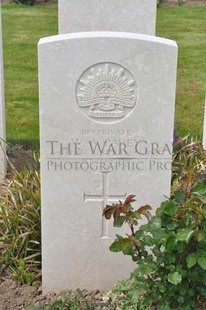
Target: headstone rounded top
{"type": "Point", "coordinates": [138, 16]}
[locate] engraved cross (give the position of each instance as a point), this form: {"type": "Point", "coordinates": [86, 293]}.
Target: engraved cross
{"type": "Point", "coordinates": [104, 198]}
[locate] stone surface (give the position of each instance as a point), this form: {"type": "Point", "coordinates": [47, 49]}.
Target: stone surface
{"type": "Point", "coordinates": [2, 111]}
{"type": "Point", "coordinates": [106, 113]}
{"type": "Point", "coordinates": [204, 129]}
{"type": "Point", "coordinates": [137, 16]}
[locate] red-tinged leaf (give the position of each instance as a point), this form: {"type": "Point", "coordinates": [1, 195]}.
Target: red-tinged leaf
{"type": "Point", "coordinates": [129, 199]}
{"type": "Point", "coordinates": [107, 208]}
{"type": "Point", "coordinates": [143, 209]}
{"type": "Point", "coordinates": [126, 209]}
{"type": "Point", "coordinates": [108, 211]}
{"type": "Point", "coordinates": [116, 214]}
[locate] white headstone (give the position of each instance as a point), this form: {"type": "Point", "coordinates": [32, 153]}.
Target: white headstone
{"type": "Point", "coordinates": [2, 111]}
{"type": "Point", "coordinates": [204, 129]}
{"type": "Point", "coordinates": [106, 113]}
{"type": "Point", "coordinates": [137, 16]}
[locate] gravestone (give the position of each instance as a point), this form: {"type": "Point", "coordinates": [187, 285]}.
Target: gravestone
{"type": "Point", "coordinates": [106, 116]}
{"type": "Point", "coordinates": [2, 112]}
{"type": "Point", "coordinates": [204, 129]}
{"type": "Point", "coordinates": [137, 16]}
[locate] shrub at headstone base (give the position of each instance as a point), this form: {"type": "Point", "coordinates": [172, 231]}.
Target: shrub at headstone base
{"type": "Point", "coordinates": [169, 250]}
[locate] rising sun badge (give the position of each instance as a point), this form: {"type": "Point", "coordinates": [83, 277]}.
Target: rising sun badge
{"type": "Point", "coordinates": [106, 92]}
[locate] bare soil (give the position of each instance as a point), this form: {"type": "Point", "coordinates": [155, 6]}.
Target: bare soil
{"type": "Point", "coordinates": [16, 297]}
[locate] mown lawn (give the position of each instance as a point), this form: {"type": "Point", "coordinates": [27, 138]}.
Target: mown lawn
{"type": "Point", "coordinates": [24, 26]}
{"type": "Point", "coordinates": [187, 26]}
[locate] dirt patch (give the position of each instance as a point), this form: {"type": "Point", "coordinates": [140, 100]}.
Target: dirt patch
{"type": "Point", "coordinates": [16, 297]}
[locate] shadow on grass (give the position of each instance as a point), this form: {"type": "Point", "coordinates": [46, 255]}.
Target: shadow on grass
{"type": "Point", "coordinates": [25, 144]}
{"type": "Point", "coordinates": [22, 155]}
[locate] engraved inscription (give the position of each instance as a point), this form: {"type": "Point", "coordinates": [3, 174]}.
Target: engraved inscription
{"type": "Point", "coordinates": [106, 92]}
{"type": "Point", "coordinates": [104, 198]}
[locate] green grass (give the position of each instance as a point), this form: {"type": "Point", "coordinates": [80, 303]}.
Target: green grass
{"type": "Point", "coordinates": [187, 26]}
{"type": "Point", "coordinates": [24, 26]}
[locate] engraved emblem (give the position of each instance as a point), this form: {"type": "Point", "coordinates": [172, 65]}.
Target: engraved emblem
{"type": "Point", "coordinates": [106, 92]}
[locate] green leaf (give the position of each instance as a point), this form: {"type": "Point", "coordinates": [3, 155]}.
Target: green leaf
{"type": "Point", "coordinates": [115, 246]}
{"type": "Point", "coordinates": [139, 234]}
{"type": "Point", "coordinates": [191, 292]}
{"type": "Point", "coordinates": [182, 290]}
{"type": "Point", "coordinates": [119, 221]}
{"type": "Point", "coordinates": [164, 306]}
{"type": "Point", "coordinates": [149, 241]}
{"type": "Point", "coordinates": [185, 234]}
{"type": "Point", "coordinates": [174, 277]}
{"type": "Point", "coordinates": [171, 225]}
{"type": "Point", "coordinates": [203, 291]}
{"type": "Point", "coordinates": [145, 268]}
{"type": "Point", "coordinates": [170, 243]}
{"type": "Point", "coordinates": [199, 189]}
{"type": "Point", "coordinates": [156, 230]}
{"type": "Point", "coordinates": [162, 288]}
{"type": "Point", "coordinates": [181, 245]}
{"type": "Point", "coordinates": [204, 214]}
{"type": "Point", "coordinates": [125, 245]}
{"type": "Point", "coordinates": [169, 258]}
{"type": "Point", "coordinates": [136, 293]}
{"type": "Point", "coordinates": [181, 299]}
{"type": "Point", "coordinates": [200, 236]}
{"type": "Point", "coordinates": [202, 261]}
{"type": "Point", "coordinates": [170, 267]}
{"type": "Point", "coordinates": [191, 260]}
{"type": "Point", "coordinates": [170, 208]}
{"type": "Point", "coordinates": [179, 196]}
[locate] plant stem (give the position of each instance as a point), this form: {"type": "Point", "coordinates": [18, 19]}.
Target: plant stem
{"type": "Point", "coordinates": [139, 255]}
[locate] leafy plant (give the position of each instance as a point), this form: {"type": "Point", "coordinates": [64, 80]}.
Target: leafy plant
{"type": "Point", "coordinates": [170, 249]}
{"type": "Point", "coordinates": [189, 157]}
{"type": "Point", "coordinates": [70, 301]}
{"type": "Point", "coordinates": [20, 233]}
{"type": "Point", "coordinates": [120, 299]}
